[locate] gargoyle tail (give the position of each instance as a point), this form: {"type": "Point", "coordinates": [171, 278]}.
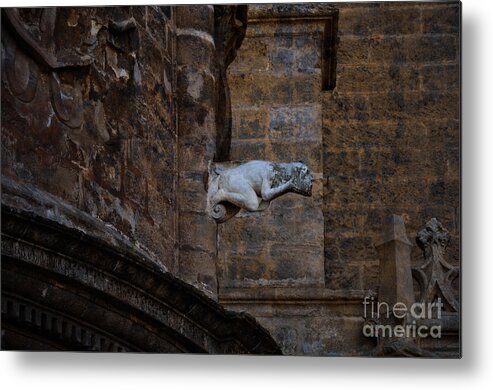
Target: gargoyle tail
{"type": "Point", "coordinates": [221, 212]}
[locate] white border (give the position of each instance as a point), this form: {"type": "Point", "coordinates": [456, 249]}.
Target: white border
{"type": "Point", "coordinates": [101, 371]}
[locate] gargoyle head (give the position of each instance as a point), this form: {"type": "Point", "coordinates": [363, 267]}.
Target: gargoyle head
{"type": "Point", "coordinates": [302, 179]}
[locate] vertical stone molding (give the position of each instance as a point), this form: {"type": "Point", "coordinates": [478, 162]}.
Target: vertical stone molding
{"type": "Point", "coordinates": [395, 286]}
{"type": "Point", "coordinates": [196, 87]}
{"type": "Point", "coordinates": [230, 23]}
{"type": "Point", "coordinates": [394, 250]}
{"type": "Point", "coordinates": [395, 291]}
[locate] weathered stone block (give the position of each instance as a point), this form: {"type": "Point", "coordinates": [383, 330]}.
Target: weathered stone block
{"type": "Point", "coordinates": [160, 208]}
{"type": "Point", "coordinates": [416, 49]}
{"type": "Point", "coordinates": [354, 20]}
{"type": "Point", "coordinates": [249, 234]}
{"type": "Point", "coordinates": [307, 52]}
{"type": "Point", "coordinates": [358, 248]}
{"type": "Point", "coordinates": [194, 195]}
{"type": "Point", "coordinates": [444, 192]}
{"type": "Point", "coordinates": [435, 48]}
{"type": "Point", "coordinates": [253, 56]}
{"type": "Point", "coordinates": [250, 123]}
{"type": "Point", "coordinates": [442, 19]}
{"type": "Point", "coordinates": [156, 227]}
{"type": "Point", "coordinates": [296, 122]}
{"type": "Point", "coordinates": [198, 87]}
{"type": "Point", "coordinates": [201, 17]}
{"type": "Point", "coordinates": [255, 90]}
{"type": "Point", "coordinates": [375, 134]}
{"type": "Point", "coordinates": [394, 105]}
{"type": "Point", "coordinates": [350, 162]}
{"type": "Point", "coordinates": [346, 190]}
{"type": "Point", "coordinates": [277, 266]}
{"type": "Point", "coordinates": [390, 49]}
{"type": "Point", "coordinates": [440, 105]}
{"type": "Point", "coordinates": [135, 187]}
{"type": "Point", "coordinates": [307, 151]}
{"type": "Point", "coordinates": [353, 50]}
{"type": "Point", "coordinates": [443, 131]}
{"type": "Point", "coordinates": [398, 20]}
{"type": "Point", "coordinates": [195, 49]}
{"type": "Point", "coordinates": [308, 89]}
{"type": "Point", "coordinates": [372, 79]}
{"type": "Point", "coordinates": [160, 155]}
{"type": "Point", "coordinates": [249, 150]}
{"type": "Point", "coordinates": [282, 60]}
{"type": "Point", "coordinates": [369, 276]}
{"type": "Point", "coordinates": [343, 107]}
{"type": "Point", "coordinates": [440, 77]}
{"type": "Point", "coordinates": [196, 152]}
{"type": "Point", "coordinates": [195, 118]}
{"type": "Point", "coordinates": [107, 170]}
{"type": "Point", "coordinates": [197, 232]}
{"type": "Point", "coordinates": [341, 276]}
{"type": "Point", "coordinates": [339, 221]}
{"type": "Point", "coordinates": [195, 268]}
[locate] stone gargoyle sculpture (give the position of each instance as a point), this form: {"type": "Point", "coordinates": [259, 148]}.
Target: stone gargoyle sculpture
{"type": "Point", "coordinates": [252, 185]}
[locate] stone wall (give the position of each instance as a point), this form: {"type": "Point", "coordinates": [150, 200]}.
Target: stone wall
{"type": "Point", "coordinates": [88, 114]}
{"type": "Point", "coordinates": [109, 119]}
{"type": "Point", "coordinates": [276, 87]}
{"type": "Point", "coordinates": [391, 132]}
{"type": "Point", "coordinates": [390, 145]}
{"type": "Point", "coordinates": [197, 138]}
{"type": "Point", "coordinates": [118, 111]}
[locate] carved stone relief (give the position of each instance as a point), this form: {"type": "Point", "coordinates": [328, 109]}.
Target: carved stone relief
{"type": "Point", "coordinates": [436, 275]}
{"type": "Point", "coordinates": [435, 306]}
{"type": "Point", "coordinates": [253, 185]}
{"type": "Point", "coordinates": [35, 36]}
{"type": "Point", "coordinates": [88, 109]}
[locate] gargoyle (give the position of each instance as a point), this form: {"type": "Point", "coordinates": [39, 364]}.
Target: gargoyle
{"type": "Point", "coordinates": [252, 185]}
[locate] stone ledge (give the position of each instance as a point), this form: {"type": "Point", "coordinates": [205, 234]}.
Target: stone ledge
{"type": "Point", "coordinates": [282, 295]}
{"type": "Point", "coordinates": [294, 11]}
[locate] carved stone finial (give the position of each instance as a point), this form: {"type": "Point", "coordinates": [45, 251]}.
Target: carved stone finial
{"type": "Point", "coordinates": [436, 275]}
{"type": "Point", "coordinates": [433, 234]}
{"type": "Point", "coordinates": [252, 185]}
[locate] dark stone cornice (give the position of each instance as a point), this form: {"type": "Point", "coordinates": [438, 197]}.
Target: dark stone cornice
{"type": "Point", "coordinates": [295, 11]}
{"type": "Point", "coordinates": [55, 247]}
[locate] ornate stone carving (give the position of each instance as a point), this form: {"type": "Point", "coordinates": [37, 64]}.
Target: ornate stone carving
{"type": "Point", "coordinates": [60, 330]}
{"type": "Point", "coordinates": [66, 101]}
{"type": "Point", "coordinates": [73, 282]}
{"type": "Point", "coordinates": [22, 73]}
{"type": "Point", "coordinates": [252, 185]}
{"type": "Point", "coordinates": [30, 48]}
{"type": "Point", "coordinates": [436, 275]}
